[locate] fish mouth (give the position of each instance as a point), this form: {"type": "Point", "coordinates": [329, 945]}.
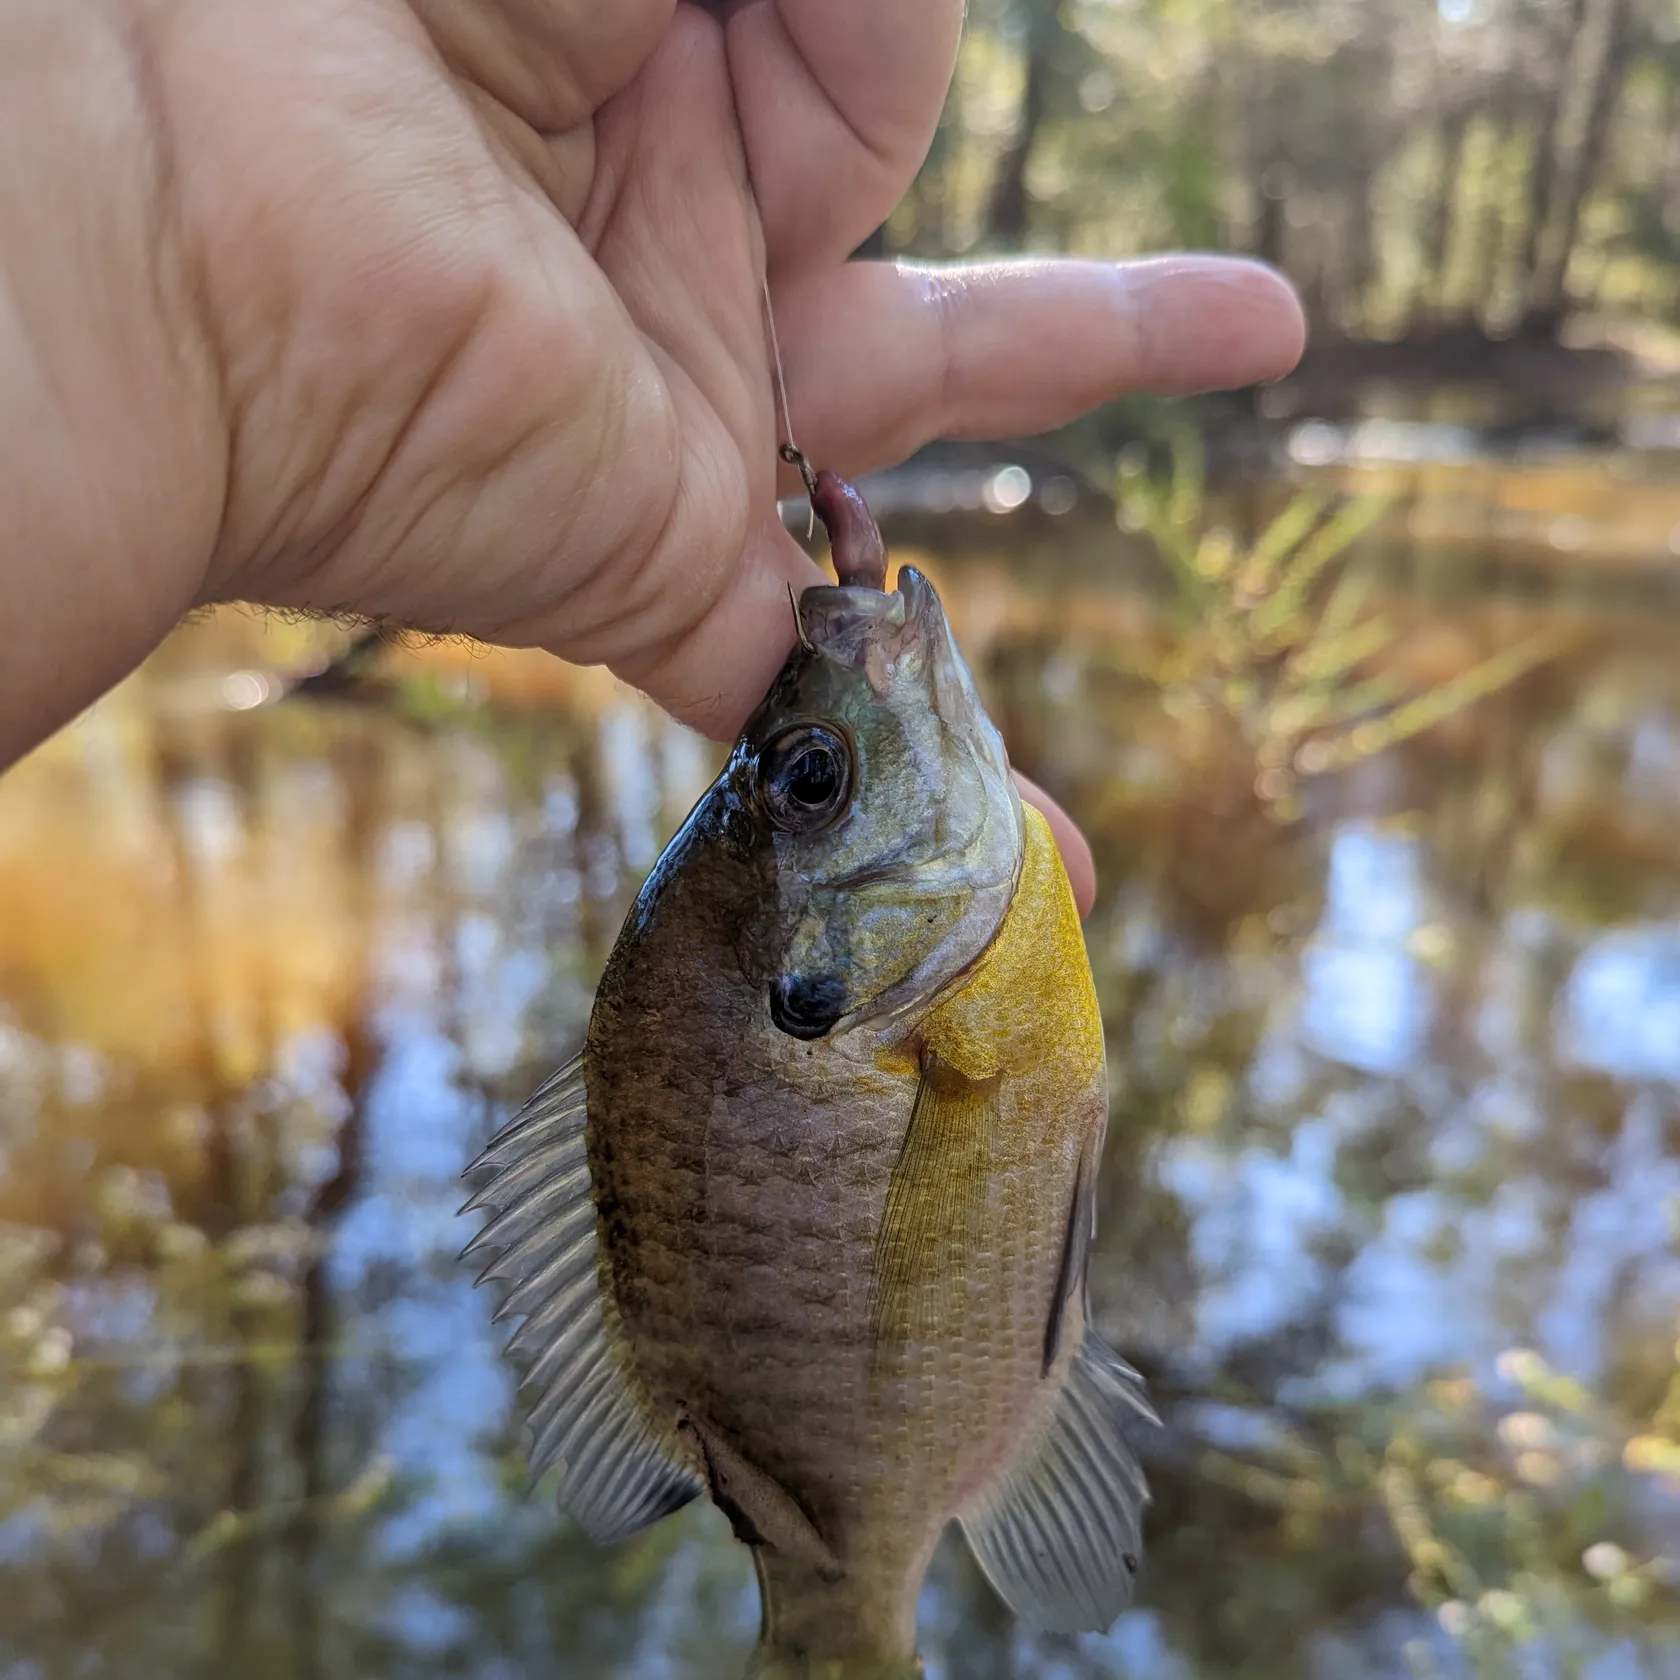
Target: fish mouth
{"type": "Point", "coordinates": [864, 627]}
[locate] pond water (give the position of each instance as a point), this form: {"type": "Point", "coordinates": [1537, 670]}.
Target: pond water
{"type": "Point", "coordinates": [1391, 1203]}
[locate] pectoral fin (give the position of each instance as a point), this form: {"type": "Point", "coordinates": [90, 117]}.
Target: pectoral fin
{"type": "Point", "coordinates": [937, 1193]}
{"type": "Point", "coordinates": [619, 1470]}
{"type": "Point", "coordinates": [1059, 1534]}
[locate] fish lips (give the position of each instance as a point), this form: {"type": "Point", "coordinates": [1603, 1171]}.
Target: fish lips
{"type": "Point", "coordinates": [869, 629]}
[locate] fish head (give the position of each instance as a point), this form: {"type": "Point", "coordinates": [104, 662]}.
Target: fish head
{"type": "Point", "coordinates": [883, 791]}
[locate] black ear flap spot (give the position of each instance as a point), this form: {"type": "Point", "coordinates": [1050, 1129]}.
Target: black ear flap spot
{"type": "Point", "coordinates": [807, 1005]}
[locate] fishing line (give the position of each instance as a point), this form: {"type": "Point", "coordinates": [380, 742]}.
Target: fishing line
{"type": "Point", "coordinates": [789, 451]}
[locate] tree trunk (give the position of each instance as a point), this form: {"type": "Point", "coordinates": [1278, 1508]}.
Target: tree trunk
{"type": "Point", "coordinates": [1543, 170]}
{"type": "Point", "coordinates": [1492, 221]}
{"type": "Point", "coordinates": [1007, 208]}
{"type": "Point", "coordinates": [1548, 300]}
{"type": "Point", "coordinates": [1358, 253]}
{"type": "Point", "coordinates": [1430, 295]}
{"type": "Point", "coordinates": [1271, 190]}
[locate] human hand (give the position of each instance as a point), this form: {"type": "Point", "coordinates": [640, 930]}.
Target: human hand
{"type": "Point", "coordinates": [447, 313]}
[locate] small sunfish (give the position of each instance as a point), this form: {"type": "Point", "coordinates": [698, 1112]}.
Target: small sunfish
{"type": "Point", "coordinates": [805, 1225]}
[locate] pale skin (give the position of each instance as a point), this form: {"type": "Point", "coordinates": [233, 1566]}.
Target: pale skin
{"type": "Point", "coordinates": [449, 313]}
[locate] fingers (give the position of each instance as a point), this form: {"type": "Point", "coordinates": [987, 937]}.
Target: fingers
{"type": "Point", "coordinates": [1075, 849]}
{"type": "Point", "coordinates": [883, 357]}
{"type": "Point", "coordinates": [838, 101]}
{"type": "Point", "coordinates": [712, 674]}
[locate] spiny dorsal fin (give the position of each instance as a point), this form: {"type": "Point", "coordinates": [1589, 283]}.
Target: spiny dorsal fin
{"type": "Point", "coordinates": [1060, 1533]}
{"type": "Point", "coordinates": [619, 1471]}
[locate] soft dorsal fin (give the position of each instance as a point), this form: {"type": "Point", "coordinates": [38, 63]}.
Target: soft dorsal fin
{"type": "Point", "coordinates": [619, 1471]}
{"type": "Point", "coordinates": [1060, 1532]}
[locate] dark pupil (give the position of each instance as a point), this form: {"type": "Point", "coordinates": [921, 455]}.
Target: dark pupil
{"type": "Point", "coordinates": [812, 778]}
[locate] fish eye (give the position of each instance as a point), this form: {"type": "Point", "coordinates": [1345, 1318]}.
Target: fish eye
{"type": "Point", "coordinates": [805, 778]}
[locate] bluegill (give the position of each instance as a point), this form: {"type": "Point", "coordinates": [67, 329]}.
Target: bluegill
{"type": "Point", "coordinates": [805, 1225]}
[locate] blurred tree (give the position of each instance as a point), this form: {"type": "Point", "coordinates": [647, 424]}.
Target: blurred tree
{"type": "Point", "coordinates": [1603, 83]}
{"type": "Point", "coordinates": [1413, 164]}
{"type": "Point", "coordinates": [1006, 217]}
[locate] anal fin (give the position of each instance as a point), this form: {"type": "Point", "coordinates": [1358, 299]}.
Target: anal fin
{"type": "Point", "coordinates": [760, 1510]}
{"type": "Point", "coordinates": [1060, 1533]}
{"type": "Point", "coordinates": [620, 1471]}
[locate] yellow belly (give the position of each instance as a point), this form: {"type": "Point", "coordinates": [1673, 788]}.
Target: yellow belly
{"type": "Point", "coordinates": [1028, 1008]}
{"type": "Point", "coordinates": [1009, 1095]}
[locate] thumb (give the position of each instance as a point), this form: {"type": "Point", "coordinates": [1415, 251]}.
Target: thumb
{"type": "Point", "coordinates": [1075, 849]}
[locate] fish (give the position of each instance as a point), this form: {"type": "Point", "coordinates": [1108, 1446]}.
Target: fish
{"type": "Point", "coordinates": [804, 1226]}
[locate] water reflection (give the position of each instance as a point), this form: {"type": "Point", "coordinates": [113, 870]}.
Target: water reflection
{"type": "Point", "coordinates": [1621, 1011]}
{"type": "Point", "coordinates": [1366, 1002]}
{"type": "Point", "coordinates": [1390, 1201]}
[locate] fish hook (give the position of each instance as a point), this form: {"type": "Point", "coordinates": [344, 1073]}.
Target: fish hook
{"type": "Point", "coordinates": [860, 557]}
{"type": "Point", "coordinates": [795, 457]}
{"type": "Point", "coordinates": [789, 451]}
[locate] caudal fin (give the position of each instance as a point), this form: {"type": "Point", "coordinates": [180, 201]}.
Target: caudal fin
{"type": "Point", "coordinates": [768, 1665]}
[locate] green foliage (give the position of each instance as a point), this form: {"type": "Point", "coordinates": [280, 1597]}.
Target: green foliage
{"type": "Point", "coordinates": [1280, 645]}
{"type": "Point", "coordinates": [1506, 1514]}
{"type": "Point", "coordinates": [1407, 162]}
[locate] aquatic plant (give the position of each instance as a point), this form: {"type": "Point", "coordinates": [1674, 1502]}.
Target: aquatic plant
{"type": "Point", "coordinates": [1281, 646]}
